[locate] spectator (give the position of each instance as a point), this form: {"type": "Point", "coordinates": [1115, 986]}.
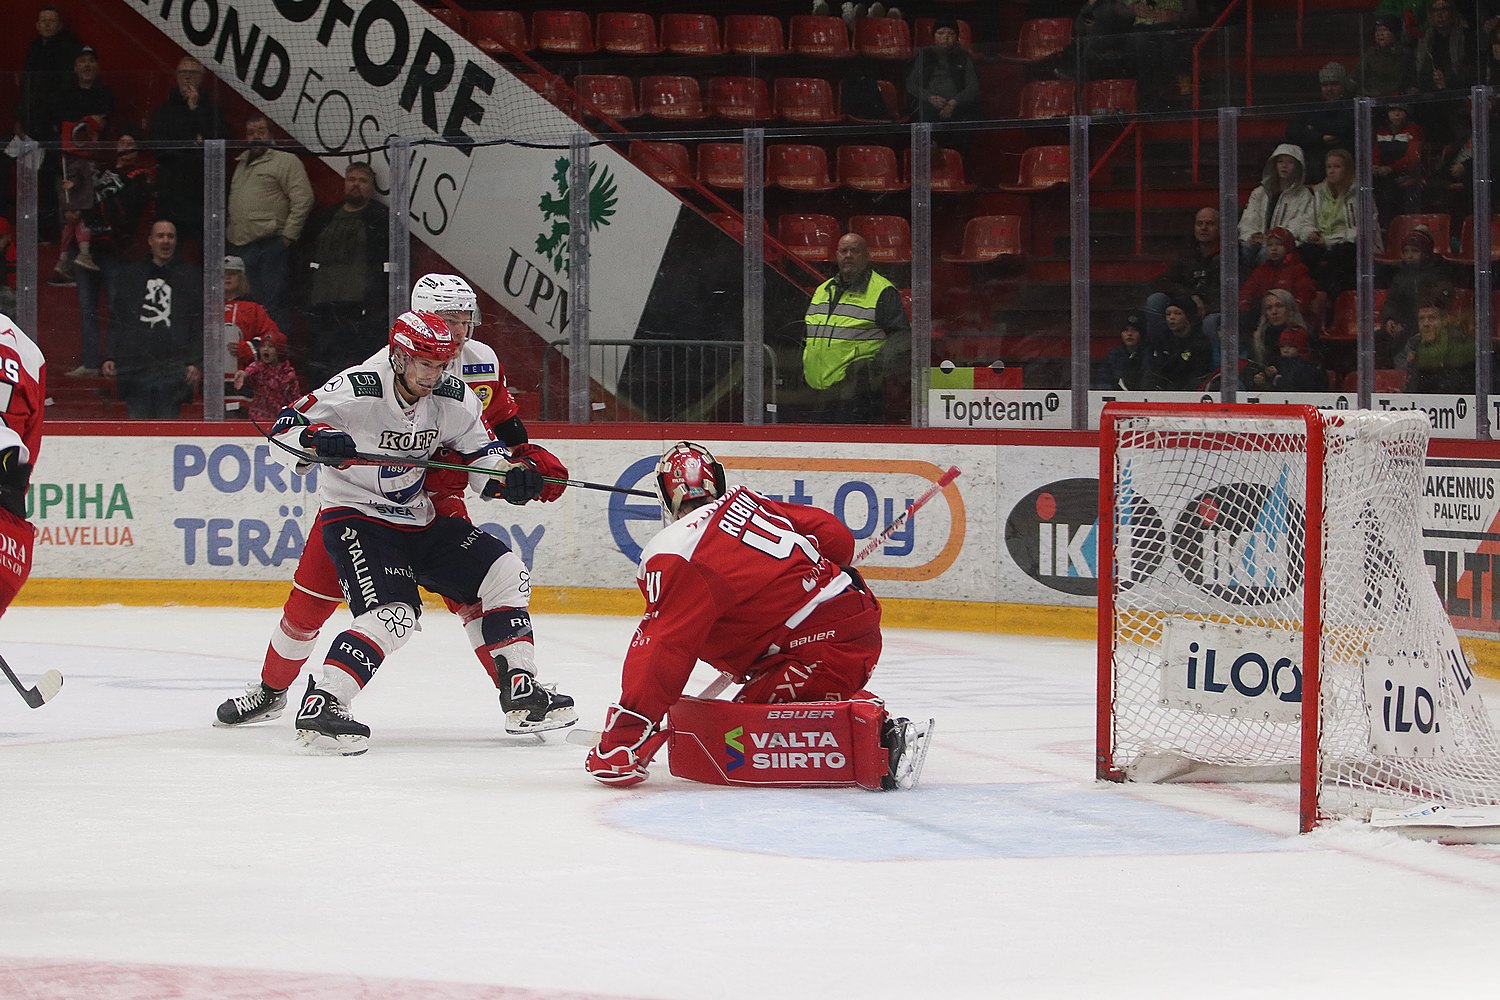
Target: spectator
{"type": "Point", "coordinates": [1280, 199]}
{"type": "Point", "coordinates": [1411, 15]}
{"type": "Point", "coordinates": [858, 346]}
{"type": "Point", "coordinates": [1387, 69]}
{"type": "Point", "coordinates": [246, 323]}
{"type": "Point", "coordinates": [1127, 366]}
{"type": "Point", "coordinates": [1330, 252]}
{"type": "Point", "coordinates": [1278, 314]}
{"type": "Point", "coordinates": [155, 347]}
{"type": "Point", "coordinates": [269, 379]}
{"type": "Point", "coordinates": [1398, 166]}
{"type": "Point", "coordinates": [8, 266]}
{"type": "Point", "coordinates": [347, 247]}
{"type": "Point", "coordinates": [1099, 47]}
{"type": "Point", "coordinates": [1156, 54]}
{"type": "Point", "coordinates": [1282, 270]}
{"type": "Point", "coordinates": [1293, 371]}
{"type": "Point", "coordinates": [943, 81]}
{"type": "Point", "coordinates": [1325, 128]}
{"type": "Point", "coordinates": [1420, 277]}
{"type": "Point", "coordinates": [1194, 275]}
{"type": "Point", "coordinates": [269, 201]}
{"type": "Point", "coordinates": [179, 127]}
{"type": "Point", "coordinates": [1489, 65]}
{"type": "Point", "coordinates": [1446, 53]}
{"type": "Point", "coordinates": [80, 114]}
{"type": "Point", "coordinates": [122, 194]}
{"type": "Point", "coordinates": [1185, 359]}
{"type": "Point", "coordinates": [48, 68]}
{"type": "Point", "coordinates": [1441, 356]}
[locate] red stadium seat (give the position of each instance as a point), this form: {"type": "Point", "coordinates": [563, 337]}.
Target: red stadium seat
{"type": "Point", "coordinates": [691, 34]}
{"type": "Point", "coordinates": [676, 98]}
{"type": "Point", "coordinates": [988, 238]}
{"type": "Point", "coordinates": [811, 237]}
{"type": "Point", "coordinates": [888, 97]}
{"type": "Point", "coordinates": [1386, 380]}
{"type": "Point", "coordinates": [1041, 38]}
{"type": "Point", "coordinates": [922, 33]}
{"type": "Point", "coordinates": [667, 163]}
{"type": "Point", "coordinates": [610, 94]}
{"type": "Point", "coordinates": [553, 88]}
{"type": "Point", "coordinates": [448, 16]}
{"type": "Point", "coordinates": [798, 167]}
{"type": "Point", "coordinates": [1042, 168]}
{"type": "Point", "coordinates": [1439, 227]}
{"type": "Point", "coordinates": [1109, 97]}
{"type": "Point", "coordinates": [754, 35]}
{"type": "Point", "coordinates": [628, 34]}
{"type": "Point", "coordinates": [1465, 253]}
{"type": "Point", "coordinates": [567, 32]}
{"type": "Point", "coordinates": [882, 38]}
{"type": "Point", "coordinates": [869, 168]}
{"type": "Point", "coordinates": [499, 31]}
{"type": "Point", "coordinates": [1345, 325]}
{"type": "Point", "coordinates": [889, 237]}
{"type": "Point", "coordinates": [740, 98]}
{"type": "Point", "coordinates": [1047, 99]}
{"type": "Point", "coordinates": [722, 165]}
{"type": "Point", "coordinates": [824, 37]}
{"type": "Point", "coordinates": [805, 99]}
{"type": "Point", "coordinates": [947, 176]}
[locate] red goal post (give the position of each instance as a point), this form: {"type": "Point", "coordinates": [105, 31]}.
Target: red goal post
{"type": "Point", "coordinates": [1254, 560]}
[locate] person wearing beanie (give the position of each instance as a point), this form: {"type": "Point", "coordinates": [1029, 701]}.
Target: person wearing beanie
{"type": "Point", "coordinates": [943, 82]}
{"type": "Point", "coordinates": [1185, 360]}
{"type": "Point", "coordinates": [1294, 370]}
{"type": "Point", "coordinates": [1282, 268]}
{"type": "Point", "coordinates": [1387, 68]}
{"type": "Point", "coordinates": [1328, 126]}
{"type": "Point", "coordinates": [1127, 367]}
{"type": "Point", "coordinates": [1411, 15]}
{"type": "Point", "coordinates": [1282, 198]}
{"type": "Point", "coordinates": [1420, 277]}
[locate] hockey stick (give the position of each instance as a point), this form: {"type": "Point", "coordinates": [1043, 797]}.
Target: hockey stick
{"type": "Point", "coordinates": [399, 462]}
{"type": "Point", "coordinates": [46, 688]}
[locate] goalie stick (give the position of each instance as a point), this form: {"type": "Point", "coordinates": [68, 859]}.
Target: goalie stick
{"type": "Point", "coordinates": [46, 688]}
{"type": "Point", "coordinates": [720, 684]}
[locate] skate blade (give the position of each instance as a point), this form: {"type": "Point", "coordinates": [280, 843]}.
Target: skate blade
{"type": "Point", "coordinates": [516, 723]}
{"type": "Point", "coordinates": [909, 771]}
{"type": "Point", "coordinates": [221, 724]}
{"type": "Point", "coordinates": [322, 745]}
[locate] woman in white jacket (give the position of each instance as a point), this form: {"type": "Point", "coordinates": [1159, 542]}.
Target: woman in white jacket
{"type": "Point", "coordinates": [1281, 199]}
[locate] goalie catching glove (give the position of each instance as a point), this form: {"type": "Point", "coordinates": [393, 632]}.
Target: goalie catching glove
{"type": "Point", "coordinates": [546, 464]}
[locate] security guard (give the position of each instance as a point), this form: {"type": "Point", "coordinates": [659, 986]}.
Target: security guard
{"type": "Point", "coordinates": [858, 346]}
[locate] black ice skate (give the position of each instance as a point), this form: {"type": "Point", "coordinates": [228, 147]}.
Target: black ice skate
{"type": "Point", "coordinates": [531, 707]}
{"type": "Point", "coordinates": [324, 725]}
{"type": "Point", "coordinates": [905, 745]}
{"type": "Point", "coordinates": [258, 704]}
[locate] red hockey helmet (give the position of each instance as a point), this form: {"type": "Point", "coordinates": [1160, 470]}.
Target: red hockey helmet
{"type": "Point", "coordinates": [423, 335]}
{"type": "Point", "coordinates": [687, 472]}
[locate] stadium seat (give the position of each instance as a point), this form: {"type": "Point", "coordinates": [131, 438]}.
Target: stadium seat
{"type": "Point", "coordinates": [888, 97]}
{"type": "Point", "coordinates": [691, 34]}
{"type": "Point", "coordinates": [754, 35]}
{"type": "Point", "coordinates": [811, 237]}
{"type": "Point", "coordinates": [805, 99]}
{"type": "Point", "coordinates": [922, 33]}
{"type": "Point", "coordinates": [567, 32]}
{"type": "Point", "coordinates": [889, 237]}
{"type": "Point", "coordinates": [722, 165]}
{"type": "Point", "coordinates": [1042, 168]}
{"type": "Point", "coordinates": [448, 16]}
{"type": "Point", "coordinates": [798, 167]}
{"type": "Point", "coordinates": [609, 94]}
{"type": "Point", "coordinates": [552, 87]}
{"type": "Point", "coordinates": [1116, 97]}
{"type": "Point", "coordinates": [869, 168]}
{"type": "Point", "coordinates": [948, 176]}
{"type": "Point", "coordinates": [1465, 253]}
{"type": "Point", "coordinates": [740, 98]}
{"type": "Point", "coordinates": [1047, 99]}
{"type": "Point", "coordinates": [494, 30]}
{"type": "Point", "coordinates": [1041, 38]}
{"type": "Point", "coordinates": [667, 163]}
{"type": "Point", "coordinates": [988, 238]}
{"type": "Point", "coordinates": [1345, 325]}
{"type": "Point", "coordinates": [675, 98]}
{"type": "Point", "coordinates": [628, 34]}
{"type": "Point", "coordinates": [1439, 227]}
{"type": "Point", "coordinates": [1386, 380]}
{"type": "Point", "coordinates": [734, 224]}
{"type": "Point", "coordinates": [882, 38]}
{"type": "Point", "coordinates": [824, 37]}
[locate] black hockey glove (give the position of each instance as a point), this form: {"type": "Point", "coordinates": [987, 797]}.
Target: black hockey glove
{"type": "Point", "coordinates": [328, 443]}
{"type": "Point", "coordinates": [15, 475]}
{"type": "Point", "coordinates": [521, 484]}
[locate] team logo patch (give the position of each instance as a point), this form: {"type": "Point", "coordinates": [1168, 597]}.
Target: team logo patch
{"type": "Point", "coordinates": [365, 384]}
{"type": "Point", "coordinates": [480, 369]}
{"type": "Point", "coordinates": [734, 747]}
{"type": "Point", "coordinates": [450, 387]}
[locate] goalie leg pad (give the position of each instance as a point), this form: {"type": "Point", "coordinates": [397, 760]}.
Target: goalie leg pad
{"type": "Point", "coordinates": [824, 744]}
{"type": "Point", "coordinates": [829, 658]}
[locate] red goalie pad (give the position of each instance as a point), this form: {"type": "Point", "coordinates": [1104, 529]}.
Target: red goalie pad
{"type": "Point", "coordinates": [818, 744]}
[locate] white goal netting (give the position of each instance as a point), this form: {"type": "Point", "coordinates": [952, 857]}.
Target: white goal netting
{"type": "Point", "coordinates": [1225, 608]}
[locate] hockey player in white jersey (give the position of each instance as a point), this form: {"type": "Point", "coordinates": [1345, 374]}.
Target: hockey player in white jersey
{"type": "Point", "coordinates": [381, 532]}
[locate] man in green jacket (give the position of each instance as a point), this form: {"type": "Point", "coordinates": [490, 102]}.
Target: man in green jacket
{"type": "Point", "coordinates": [857, 353]}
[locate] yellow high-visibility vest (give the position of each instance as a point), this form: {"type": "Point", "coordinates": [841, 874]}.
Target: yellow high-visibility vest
{"type": "Point", "coordinates": [841, 331]}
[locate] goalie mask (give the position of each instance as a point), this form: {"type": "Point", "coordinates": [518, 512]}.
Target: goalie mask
{"type": "Point", "coordinates": [439, 293]}
{"type": "Point", "coordinates": [687, 472]}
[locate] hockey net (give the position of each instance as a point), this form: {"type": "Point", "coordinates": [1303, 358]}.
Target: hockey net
{"type": "Point", "coordinates": [1224, 610]}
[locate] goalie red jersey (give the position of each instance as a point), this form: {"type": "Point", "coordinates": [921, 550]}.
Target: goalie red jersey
{"type": "Point", "coordinates": [22, 398]}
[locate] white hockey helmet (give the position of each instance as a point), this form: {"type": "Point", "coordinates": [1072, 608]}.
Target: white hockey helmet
{"type": "Point", "coordinates": [439, 293]}
{"type": "Point", "coordinates": [687, 472]}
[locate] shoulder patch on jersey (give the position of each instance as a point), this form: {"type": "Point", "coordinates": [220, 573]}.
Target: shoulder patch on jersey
{"type": "Point", "coordinates": [365, 384]}
{"type": "Point", "coordinates": [451, 387]}
{"type": "Point", "coordinates": [480, 369]}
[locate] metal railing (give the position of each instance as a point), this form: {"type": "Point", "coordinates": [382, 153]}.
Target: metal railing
{"type": "Point", "coordinates": [697, 381]}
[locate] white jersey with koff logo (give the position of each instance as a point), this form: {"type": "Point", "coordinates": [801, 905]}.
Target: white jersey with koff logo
{"type": "Point", "coordinates": [363, 402]}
